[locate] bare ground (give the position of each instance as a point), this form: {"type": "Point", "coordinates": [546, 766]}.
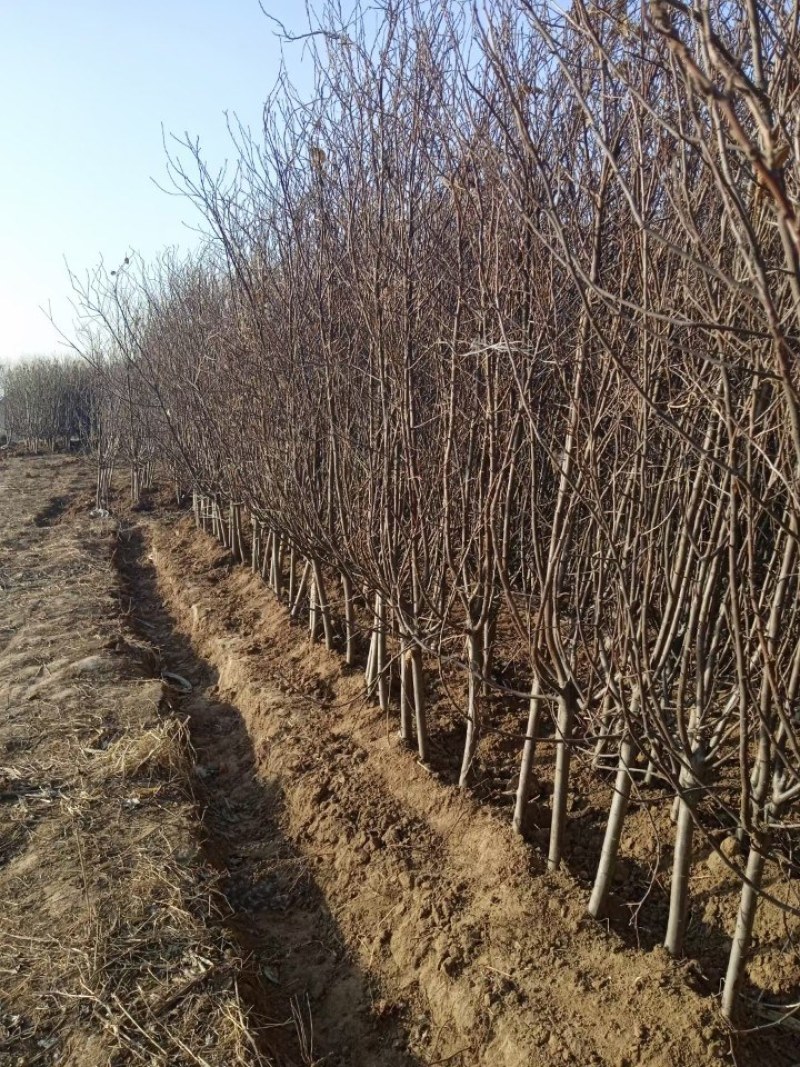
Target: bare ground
{"type": "Point", "coordinates": [362, 910]}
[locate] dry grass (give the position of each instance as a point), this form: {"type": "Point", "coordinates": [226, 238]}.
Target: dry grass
{"type": "Point", "coordinates": [138, 966]}
{"type": "Point", "coordinates": [113, 942]}
{"type": "Point", "coordinates": [160, 752]}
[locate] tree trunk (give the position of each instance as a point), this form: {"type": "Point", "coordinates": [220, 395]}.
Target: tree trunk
{"type": "Point", "coordinates": [322, 603]}
{"type": "Point", "coordinates": [488, 653]}
{"type": "Point", "coordinates": [567, 708]}
{"type": "Point", "coordinates": [349, 620]}
{"type": "Point", "coordinates": [419, 702]}
{"type": "Point", "coordinates": [255, 555]}
{"type": "Point", "coordinates": [381, 664]}
{"type": "Point", "coordinates": [235, 532]}
{"type": "Point", "coordinates": [276, 567]}
{"type": "Point", "coordinates": [266, 555]}
{"type": "Point", "coordinates": [528, 756]}
{"type": "Point", "coordinates": [292, 574]}
{"type": "Point", "coordinates": [371, 670]}
{"type": "Point", "coordinates": [743, 935]}
{"type": "Point", "coordinates": [406, 693]}
{"type": "Point", "coordinates": [313, 616]}
{"type": "Point", "coordinates": [475, 656]}
{"type": "Point", "coordinates": [682, 858]}
{"type": "Point", "coordinates": [294, 611]}
{"type": "Point", "coordinates": [606, 728]}
{"type": "Point", "coordinates": [616, 819]}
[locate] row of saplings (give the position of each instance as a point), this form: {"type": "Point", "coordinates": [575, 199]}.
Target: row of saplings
{"type": "Point", "coordinates": [301, 584]}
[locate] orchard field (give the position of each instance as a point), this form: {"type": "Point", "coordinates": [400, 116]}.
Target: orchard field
{"type": "Point", "coordinates": [461, 464]}
{"type": "Point", "coordinates": [216, 849]}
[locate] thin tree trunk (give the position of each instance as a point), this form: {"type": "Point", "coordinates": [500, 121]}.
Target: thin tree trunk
{"type": "Point", "coordinates": [487, 637]}
{"type": "Point", "coordinates": [232, 529]}
{"type": "Point", "coordinates": [754, 872]}
{"type": "Point", "coordinates": [277, 567]}
{"type": "Point", "coordinates": [381, 664]}
{"type": "Point", "coordinates": [743, 935]}
{"type": "Point", "coordinates": [567, 708]}
{"type": "Point", "coordinates": [235, 532]}
{"type": "Point", "coordinates": [292, 574]}
{"type": "Point", "coordinates": [420, 702]}
{"type": "Point", "coordinates": [349, 620]}
{"type": "Point", "coordinates": [606, 728]}
{"type": "Point", "coordinates": [475, 656]}
{"type": "Point", "coordinates": [301, 588]}
{"type": "Point", "coordinates": [218, 522]}
{"type": "Point", "coordinates": [371, 671]}
{"type": "Point", "coordinates": [313, 616]}
{"type": "Point", "coordinates": [266, 556]}
{"type": "Point", "coordinates": [406, 693]}
{"type": "Point", "coordinates": [682, 858]}
{"type": "Point", "coordinates": [528, 756]}
{"type": "Point", "coordinates": [255, 555]}
{"type": "Point", "coordinates": [322, 604]}
{"type": "Point", "coordinates": [616, 818]}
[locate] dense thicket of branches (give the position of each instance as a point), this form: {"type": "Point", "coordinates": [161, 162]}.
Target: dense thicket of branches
{"type": "Point", "coordinates": [500, 332]}
{"type": "Point", "coordinates": [49, 402]}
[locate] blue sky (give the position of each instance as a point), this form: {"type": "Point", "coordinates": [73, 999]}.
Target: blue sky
{"type": "Point", "coordinates": [84, 90]}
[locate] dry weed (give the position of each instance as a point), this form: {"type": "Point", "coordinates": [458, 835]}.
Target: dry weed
{"type": "Point", "coordinates": [113, 944]}
{"type": "Point", "coordinates": [163, 751]}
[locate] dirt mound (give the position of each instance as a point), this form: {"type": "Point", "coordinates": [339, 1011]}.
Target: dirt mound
{"type": "Point", "coordinates": [486, 959]}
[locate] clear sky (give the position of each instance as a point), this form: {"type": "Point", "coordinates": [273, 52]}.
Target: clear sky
{"type": "Point", "coordinates": [85, 87]}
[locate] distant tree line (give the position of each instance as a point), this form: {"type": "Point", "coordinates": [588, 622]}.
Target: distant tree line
{"type": "Point", "coordinates": [49, 403]}
{"type": "Point", "coordinates": [495, 346]}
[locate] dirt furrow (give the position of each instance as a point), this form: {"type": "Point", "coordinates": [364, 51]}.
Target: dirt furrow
{"type": "Point", "coordinates": [482, 957]}
{"type": "Point", "coordinates": [281, 917]}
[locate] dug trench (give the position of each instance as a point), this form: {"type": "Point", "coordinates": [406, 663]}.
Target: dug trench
{"type": "Point", "coordinates": [401, 922]}
{"type": "Point", "coordinates": [296, 956]}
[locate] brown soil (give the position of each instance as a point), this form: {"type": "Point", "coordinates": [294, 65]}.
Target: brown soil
{"type": "Point", "coordinates": [391, 918]}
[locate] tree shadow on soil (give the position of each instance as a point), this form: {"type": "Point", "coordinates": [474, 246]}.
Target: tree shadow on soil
{"type": "Point", "coordinates": [300, 983]}
{"type": "Point", "coordinates": [52, 513]}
